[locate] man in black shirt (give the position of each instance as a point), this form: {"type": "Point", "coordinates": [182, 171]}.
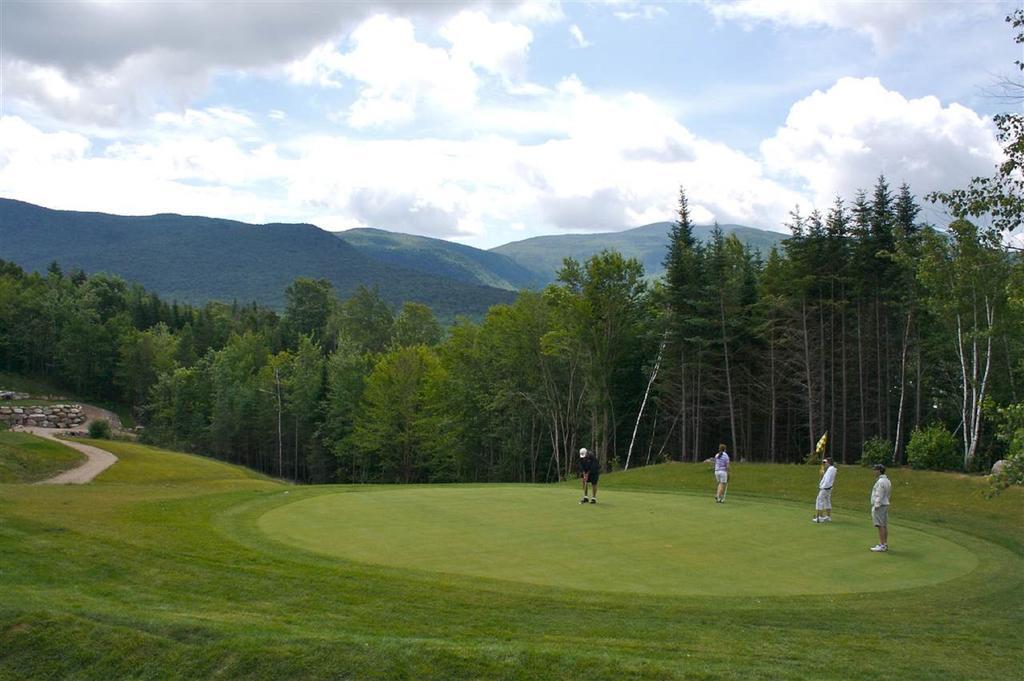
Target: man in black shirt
{"type": "Point", "coordinates": [590, 471]}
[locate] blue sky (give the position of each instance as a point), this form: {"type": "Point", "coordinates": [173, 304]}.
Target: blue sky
{"type": "Point", "coordinates": [492, 122]}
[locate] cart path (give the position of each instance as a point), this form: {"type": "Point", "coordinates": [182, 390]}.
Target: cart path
{"type": "Point", "coordinates": [98, 460]}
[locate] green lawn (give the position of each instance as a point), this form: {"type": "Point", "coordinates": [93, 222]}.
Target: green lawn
{"type": "Point", "coordinates": [27, 458]}
{"type": "Point", "coordinates": [539, 535]}
{"type": "Point", "coordinates": [32, 402]}
{"type": "Point", "coordinates": [173, 566]}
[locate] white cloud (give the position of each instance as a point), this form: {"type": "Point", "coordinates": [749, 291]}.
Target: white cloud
{"type": "Point", "coordinates": [400, 74]}
{"type": "Point", "coordinates": [884, 22]}
{"type": "Point", "coordinates": [839, 140]}
{"type": "Point", "coordinates": [539, 11]}
{"type": "Point", "coordinates": [185, 174]}
{"type": "Point", "coordinates": [498, 47]}
{"type": "Point", "coordinates": [109, 62]}
{"type": "Point", "coordinates": [567, 158]}
{"type": "Point", "coordinates": [220, 119]}
{"type": "Point", "coordinates": [639, 10]}
{"type": "Point", "coordinates": [577, 36]}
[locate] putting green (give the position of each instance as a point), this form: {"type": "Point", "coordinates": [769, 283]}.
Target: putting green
{"type": "Point", "coordinates": [670, 544]}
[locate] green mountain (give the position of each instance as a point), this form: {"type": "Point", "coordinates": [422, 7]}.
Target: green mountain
{"type": "Point", "coordinates": [543, 255]}
{"type": "Point", "coordinates": [197, 259]}
{"type": "Point", "coordinates": [442, 258]}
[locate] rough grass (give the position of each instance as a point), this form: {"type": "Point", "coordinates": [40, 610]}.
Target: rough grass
{"type": "Point", "coordinates": [26, 458]}
{"type": "Point", "coordinates": [159, 570]}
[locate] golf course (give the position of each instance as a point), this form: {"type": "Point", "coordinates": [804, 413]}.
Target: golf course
{"type": "Point", "coordinates": [175, 566]}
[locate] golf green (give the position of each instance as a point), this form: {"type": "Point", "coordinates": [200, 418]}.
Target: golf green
{"type": "Point", "coordinates": [671, 544]}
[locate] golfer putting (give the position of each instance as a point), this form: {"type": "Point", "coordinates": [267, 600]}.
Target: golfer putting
{"type": "Point", "coordinates": [721, 474]}
{"type": "Point", "coordinates": [590, 471]}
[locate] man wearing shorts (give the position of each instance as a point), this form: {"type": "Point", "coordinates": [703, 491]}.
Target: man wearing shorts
{"type": "Point", "coordinates": [590, 471]}
{"type": "Point", "coordinates": [880, 508]}
{"type": "Point", "coordinates": [721, 473]}
{"type": "Point", "coordinates": [823, 505]}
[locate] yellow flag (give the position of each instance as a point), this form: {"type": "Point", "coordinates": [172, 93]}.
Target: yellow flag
{"type": "Point", "coordinates": [819, 451]}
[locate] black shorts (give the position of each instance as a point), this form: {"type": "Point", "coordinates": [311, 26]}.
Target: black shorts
{"type": "Point", "coordinates": [592, 478]}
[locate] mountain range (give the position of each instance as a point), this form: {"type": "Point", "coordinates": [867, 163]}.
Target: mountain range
{"type": "Point", "coordinates": [534, 262]}
{"type": "Point", "coordinates": [196, 259]}
{"type": "Point", "coordinates": [543, 255]}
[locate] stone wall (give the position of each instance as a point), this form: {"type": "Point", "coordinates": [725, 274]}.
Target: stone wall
{"type": "Point", "coordinates": [49, 416]}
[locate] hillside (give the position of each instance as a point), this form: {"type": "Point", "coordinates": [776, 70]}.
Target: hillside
{"type": "Point", "coordinates": [543, 255]}
{"type": "Point", "coordinates": [442, 258]}
{"type": "Point", "coordinates": [197, 259]}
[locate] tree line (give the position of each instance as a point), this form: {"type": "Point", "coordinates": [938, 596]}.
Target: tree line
{"type": "Point", "coordinates": [866, 323]}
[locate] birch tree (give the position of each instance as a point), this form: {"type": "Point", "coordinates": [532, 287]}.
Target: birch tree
{"type": "Point", "coordinates": [964, 274]}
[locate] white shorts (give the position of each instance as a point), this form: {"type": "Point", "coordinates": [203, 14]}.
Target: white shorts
{"type": "Point", "coordinates": [824, 500]}
{"type": "Point", "coordinates": [722, 477]}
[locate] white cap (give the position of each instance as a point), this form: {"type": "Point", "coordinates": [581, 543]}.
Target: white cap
{"type": "Point", "coordinates": [583, 452]}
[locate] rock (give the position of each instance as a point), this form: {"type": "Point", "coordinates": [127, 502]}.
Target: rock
{"type": "Point", "coordinates": [998, 467]}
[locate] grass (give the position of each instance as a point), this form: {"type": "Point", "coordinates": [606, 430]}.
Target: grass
{"type": "Point", "coordinates": [31, 402]}
{"type": "Point", "coordinates": [533, 534]}
{"type": "Point", "coordinates": [26, 458]}
{"type": "Point", "coordinates": [163, 568]}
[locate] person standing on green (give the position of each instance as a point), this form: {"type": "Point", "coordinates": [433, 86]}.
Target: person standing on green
{"type": "Point", "coordinates": [823, 504]}
{"type": "Point", "coordinates": [590, 471]}
{"type": "Point", "coordinates": [880, 508]}
{"type": "Point", "coordinates": [721, 473]}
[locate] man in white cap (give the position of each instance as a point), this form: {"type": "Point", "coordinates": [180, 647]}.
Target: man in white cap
{"type": "Point", "coordinates": [823, 504]}
{"type": "Point", "coordinates": [880, 494]}
{"type": "Point", "coordinates": [590, 471]}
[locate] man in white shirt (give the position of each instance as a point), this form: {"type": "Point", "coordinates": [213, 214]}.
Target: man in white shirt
{"type": "Point", "coordinates": [880, 508]}
{"type": "Point", "coordinates": [823, 505]}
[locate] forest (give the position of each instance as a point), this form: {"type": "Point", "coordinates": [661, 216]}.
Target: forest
{"type": "Point", "coordinates": [866, 324]}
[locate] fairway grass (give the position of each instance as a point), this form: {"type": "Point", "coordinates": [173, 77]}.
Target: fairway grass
{"type": "Point", "coordinates": [174, 566]}
{"type": "Point", "coordinates": [678, 545]}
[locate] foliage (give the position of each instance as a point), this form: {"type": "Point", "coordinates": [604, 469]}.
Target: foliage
{"type": "Point", "coordinates": [99, 429]}
{"type": "Point", "coordinates": [415, 325]}
{"type": "Point", "coordinates": [398, 431]}
{"type": "Point", "coordinates": [876, 451]}
{"type": "Point", "coordinates": [933, 448]}
{"type": "Point", "coordinates": [1010, 430]}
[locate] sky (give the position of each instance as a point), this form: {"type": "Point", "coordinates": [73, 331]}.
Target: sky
{"type": "Point", "coordinates": [490, 122]}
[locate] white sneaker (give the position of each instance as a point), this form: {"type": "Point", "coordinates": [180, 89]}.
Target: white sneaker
{"type": "Point", "coordinates": [879, 548]}
{"type": "Point", "coordinates": [826, 519]}
{"type": "Point", "coordinates": [815, 519]}
{"type": "Point", "coordinates": [584, 500]}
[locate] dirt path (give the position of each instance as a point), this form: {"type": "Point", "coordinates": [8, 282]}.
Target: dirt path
{"type": "Point", "coordinates": [98, 460]}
